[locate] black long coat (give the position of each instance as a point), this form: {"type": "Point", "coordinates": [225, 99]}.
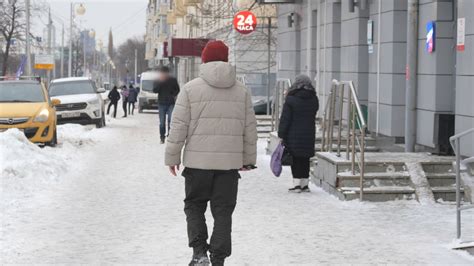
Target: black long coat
{"type": "Point", "coordinates": [297, 122]}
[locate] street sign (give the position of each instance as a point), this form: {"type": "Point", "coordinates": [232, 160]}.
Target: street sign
{"type": "Point", "coordinates": [461, 34]}
{"type": "Point", "coordinates": [245, 22]}
{"type": "Point", "coordinates": [44, 61]}
{"type": "Point", "coordinates": [430, 37]}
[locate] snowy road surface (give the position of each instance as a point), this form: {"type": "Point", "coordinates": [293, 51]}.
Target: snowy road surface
{"type": "Point", "coordinates": [107, 198]}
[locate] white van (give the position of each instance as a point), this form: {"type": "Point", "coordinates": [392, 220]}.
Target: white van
{"type": "Point", "coordinates": [147, 100]}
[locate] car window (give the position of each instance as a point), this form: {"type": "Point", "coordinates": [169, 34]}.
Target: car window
{"type": "Point", "coordinates": [147, 85]}
{"type": "Point", "coordinates": [71, 88]}
{"type": "Point", "coordinates": [21, 92]}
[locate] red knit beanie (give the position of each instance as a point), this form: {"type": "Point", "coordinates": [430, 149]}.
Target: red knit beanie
{"type": "Point", "coordinates": [215, 51]}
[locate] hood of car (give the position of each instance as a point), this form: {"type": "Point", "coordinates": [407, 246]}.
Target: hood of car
{"type": "Point", "coordinates": [12, 110]}
{"type": "Point", "coordinates": [76, 98]}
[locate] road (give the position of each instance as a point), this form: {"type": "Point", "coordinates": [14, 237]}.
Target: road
{"type": "Point", "coordinates": [116, 203]}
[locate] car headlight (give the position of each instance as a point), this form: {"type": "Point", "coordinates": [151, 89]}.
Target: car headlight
{"type": "Point", "coordinates": [42, 116]}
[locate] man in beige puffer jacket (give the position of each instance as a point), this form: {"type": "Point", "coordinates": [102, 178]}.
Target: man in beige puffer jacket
{"type": "Point", "coordinates": [214, 120]}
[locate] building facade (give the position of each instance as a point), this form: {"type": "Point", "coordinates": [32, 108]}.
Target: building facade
{"type": "Point", "coordinates": [369, 46]}
{"type": "Point", "coordinates": [212, 19]}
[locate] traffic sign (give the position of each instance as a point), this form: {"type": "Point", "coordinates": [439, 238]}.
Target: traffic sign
{"type": "Point", "coordinates": [245, 22]}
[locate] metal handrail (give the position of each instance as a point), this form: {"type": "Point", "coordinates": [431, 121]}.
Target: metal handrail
{"type": "Point", "coordinates": [354, 116]}
{"type": "Point", "coordinates": [278, 101]}
{"type": "Point", "coordinates": [456, 144]}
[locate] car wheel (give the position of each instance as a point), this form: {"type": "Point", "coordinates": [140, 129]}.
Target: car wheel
{"type": "Point", "coordinates": [54, 140]}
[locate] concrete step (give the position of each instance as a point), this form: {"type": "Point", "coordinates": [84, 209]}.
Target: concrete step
{"type": "Point", "coordinates": [375, 167]}
{"type": "Point", "coordinates": [347, 179]}
{"type": "Point", "coordinates": [446, 193]}
{"type": "Point", "coordinates": [317, 147]}
{"type": "Point", "coordinates": [441, 179]}
{"type": "Point", "coordinates": [438, 167]}
{"type": "Point", "coordinates": [379, 193]}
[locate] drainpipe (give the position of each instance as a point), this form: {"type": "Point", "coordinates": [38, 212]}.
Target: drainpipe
{"type": "Point", "coordinates": [411, 76]}
{"type": "Point", "coordinates": [379, 29]}
{"type": "Point", "coordinates": [309, 41]}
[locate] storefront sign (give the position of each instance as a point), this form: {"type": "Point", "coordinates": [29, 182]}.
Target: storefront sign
{"type": "Point", "coordinates": [245, 22]}
{"type": "Point", "coordinates": [44, 61]}
{"type": "Point", "coordinates": [461, 34]}
{"type": "Point", "coordinates": [430, 37]}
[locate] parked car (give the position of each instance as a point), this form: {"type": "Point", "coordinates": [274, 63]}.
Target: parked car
{"type": "Point", "coordinates": [147, 100]}
{"type": "Point", "coordinates": [260, 104]}
{"type": "Point", "coordinates": [26, 105]}
{"type": "Point", "coordinates": [81, 101]}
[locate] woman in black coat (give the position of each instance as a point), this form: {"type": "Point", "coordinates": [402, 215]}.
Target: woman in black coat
{"type": "Point", "coordinates": [298, 130]}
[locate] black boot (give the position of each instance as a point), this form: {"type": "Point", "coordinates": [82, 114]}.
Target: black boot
{"type": "Point", "coordinates": [200, 260]}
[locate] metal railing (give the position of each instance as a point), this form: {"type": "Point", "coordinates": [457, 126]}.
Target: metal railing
{"type": "Point", "coordinates": [281, 86]}
{"type": "Point", "coordinates": [334, 114]}
{"type": "Point", "coordinates": [456, 144]}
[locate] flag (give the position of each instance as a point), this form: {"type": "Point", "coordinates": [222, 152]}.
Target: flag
{"type": "Point", "coordinates": [21, 68]}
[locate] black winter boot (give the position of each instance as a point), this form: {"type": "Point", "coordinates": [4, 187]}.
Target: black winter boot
{"type": "Point", "coordinates": [199, 260]}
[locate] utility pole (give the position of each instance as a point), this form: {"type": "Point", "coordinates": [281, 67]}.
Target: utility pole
{"type": "Point", "coordinates": [49, 40]}
{"type": "Point", "coordinates": [28, 52]}
{"type": "Point", "coordinates": [84, 52]}
{"type": "Point", "coordinates": [69, 71]}
{"type": "Point", "coordinates": [411, 76]}
{"type": "Point", "coordinates": [62, 52]}
{"type": "Point", "coordinates": [136, 66]}
{"type": "Point", "coordinates": [269, 46]}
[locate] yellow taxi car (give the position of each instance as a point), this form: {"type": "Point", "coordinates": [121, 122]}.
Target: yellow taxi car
{"type": "Point", "coordinates": [25, 104]}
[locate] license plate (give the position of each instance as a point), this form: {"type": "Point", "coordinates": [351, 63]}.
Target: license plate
{"type": "Point", "coordinates": [69, 115]}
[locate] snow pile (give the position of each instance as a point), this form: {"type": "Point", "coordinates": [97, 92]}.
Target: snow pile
{"type": "Point", "coordinates": [24, 166]}
{"type": "Point", "coordinates": [75, 134]}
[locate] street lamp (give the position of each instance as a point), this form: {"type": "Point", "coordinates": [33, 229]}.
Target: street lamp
{"type": "Point", "coordinates": [80, 10]}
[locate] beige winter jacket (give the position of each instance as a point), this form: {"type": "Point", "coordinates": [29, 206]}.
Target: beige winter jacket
{"type": "Point", "coordinates": [214, 119]}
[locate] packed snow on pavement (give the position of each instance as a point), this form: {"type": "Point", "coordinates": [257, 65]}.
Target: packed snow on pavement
{"type": "Point", "coordinates": [104, 196]}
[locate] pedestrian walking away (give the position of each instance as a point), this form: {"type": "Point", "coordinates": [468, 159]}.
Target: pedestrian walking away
{"type": "Point", "coordinates": [124, 100]}
{"type": "Point", "coordinates": [167, 88]}
{"type": "Point", "coordinates": [114, 97]}
{"type": "Point", "coordinates": [215, 122]}
{"type": "Point", "coordinates": [132, 99]}
{"type": "Point", "coordinates": [297, 130]}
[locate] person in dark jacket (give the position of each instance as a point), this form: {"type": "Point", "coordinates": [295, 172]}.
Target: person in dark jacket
{"type": "Point", "coordinates": [114, 97]}
{"type": "Point", "coordinates": [124, 100]}
{"type": "Point", "coordinates": [167, 88]}
{"type": "Point", "coordinates": [132, 99]}
{"type": "Point", "coordinates": [297, 129]}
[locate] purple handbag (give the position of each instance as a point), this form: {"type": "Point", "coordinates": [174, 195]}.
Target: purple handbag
{"type": "Point", "coordinates": [275, 162]}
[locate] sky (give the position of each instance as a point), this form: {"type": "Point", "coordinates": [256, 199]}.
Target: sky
{"type": "Point", "coordinates": [127, 18]}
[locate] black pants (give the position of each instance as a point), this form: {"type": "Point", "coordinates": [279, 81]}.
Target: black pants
{"type": "Point", "coordinates": [131, 107]}
{"type": "Point", "coordinates": [220, 188]}
{"type": "Point", "coordinates": [124, 106]}
{"type": "Point", "coordinates": [300, 167]}
{"type": "Point", "coordinates": [115, 108]}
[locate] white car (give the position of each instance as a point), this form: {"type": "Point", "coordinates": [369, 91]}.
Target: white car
{"type": "Point", "coordinates": [147, 99]}
{"type": "Point", "coordinates": [81, 101]}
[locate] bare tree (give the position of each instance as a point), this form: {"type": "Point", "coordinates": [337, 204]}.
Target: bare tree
{"type": "Point", "coordinates": [126, 57]}
{"type": "Point", "coordinates": [12, 27]}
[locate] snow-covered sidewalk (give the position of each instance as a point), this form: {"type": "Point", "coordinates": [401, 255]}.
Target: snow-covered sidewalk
{"type": "Point", "coordinates": [104, 196]}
